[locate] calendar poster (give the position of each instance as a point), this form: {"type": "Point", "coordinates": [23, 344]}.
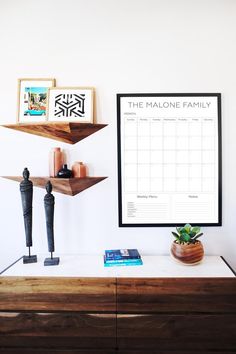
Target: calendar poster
{"type": "Point", "coordinates": [169, 159]}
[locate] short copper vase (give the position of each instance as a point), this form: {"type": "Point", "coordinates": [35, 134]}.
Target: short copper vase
{"type": "Point", "coordinates": [188, 254]}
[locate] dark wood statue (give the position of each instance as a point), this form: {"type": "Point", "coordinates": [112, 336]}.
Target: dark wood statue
{"type": "Point", "coordinates": [26, 189]}
{"type": "Point", "coordinates": [49, 202]}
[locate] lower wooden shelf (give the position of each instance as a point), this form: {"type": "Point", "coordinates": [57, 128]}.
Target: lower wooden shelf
{"type": "Point", "coordinates": [69, 186]}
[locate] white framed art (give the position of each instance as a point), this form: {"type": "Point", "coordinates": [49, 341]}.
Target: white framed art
{"type": "Point", "coordinates": [70, 104]}
{"type": "Point", "coordinates": [32, 99]}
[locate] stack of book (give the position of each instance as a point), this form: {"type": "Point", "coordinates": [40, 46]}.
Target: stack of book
{"type": "Point", "coordinates": [123, 257]}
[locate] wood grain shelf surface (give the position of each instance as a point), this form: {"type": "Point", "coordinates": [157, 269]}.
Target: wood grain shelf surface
{"type": "Point", "coordinates": [66, 132]}
{"type": "Point", "coordinates": [69, 186]}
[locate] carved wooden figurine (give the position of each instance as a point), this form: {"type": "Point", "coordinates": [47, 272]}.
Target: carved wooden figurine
{"type": "Point", "coordinates": [26, 189]}
{"type": "Point", "coordinates": [49, 202]}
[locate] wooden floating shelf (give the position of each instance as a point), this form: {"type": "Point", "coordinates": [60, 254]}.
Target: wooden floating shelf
{"type": "Point", "coordinates": [66, 132]}
{"type": "Point", "coordinates": [69, 186]}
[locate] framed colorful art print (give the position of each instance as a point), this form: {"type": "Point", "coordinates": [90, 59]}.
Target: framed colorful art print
{"type": "Point", "coordinates": [32, 99]}
{"type": "Point", "coordinates": [70, 104]}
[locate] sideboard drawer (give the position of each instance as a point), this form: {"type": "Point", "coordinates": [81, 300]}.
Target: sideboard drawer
{"type": "Point", "coordinates": [171, 332]}
{"type": "Point", "coordinates": [157, 351]}
{"type": "Point", "coordinates": [67, 351]}
{"type": "Point", "coordinates": [176, 295]}
{"type": "Point", "coordinates": [57, 294]}
{"type": "Point", "coordinates": [57, 330]}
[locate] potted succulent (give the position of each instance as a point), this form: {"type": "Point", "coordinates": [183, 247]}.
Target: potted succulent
{"type": "Point", "coordinates": [187, 248]}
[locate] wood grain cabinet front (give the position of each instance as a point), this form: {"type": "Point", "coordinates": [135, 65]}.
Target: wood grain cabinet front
{"type": "Point", "coordinates": [173, 333]}
{"type": "Point", "coordinates": [57, 330]}
{"type": "Point", "coordinates": [117, 315]}
{"type": "Point", "coordinates": [57, 315]}
{"type": "Point", "coordinates": [56, 351]}
{"type": "Point", "coordinates": [170, 315]}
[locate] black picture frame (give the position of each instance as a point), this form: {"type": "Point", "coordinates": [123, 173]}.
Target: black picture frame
{"type": "Point", "coordinates": [120, 96]}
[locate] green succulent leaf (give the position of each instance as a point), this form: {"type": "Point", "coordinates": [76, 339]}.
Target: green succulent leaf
{"type": "Point", "coordinates": [197, 236]}
{"type": "Point", "coordinates": [185, 237]}
{"type": "Point", "coordinates": [182, 230]}
{"type": "Point", "coordinates": [178, 229]}
{"type": "Point", "coordinates": [196, 229]}
{"type": "Point", "coordinates": [187, 228]}
{"type": "Point", "coordinates": [175, 235]}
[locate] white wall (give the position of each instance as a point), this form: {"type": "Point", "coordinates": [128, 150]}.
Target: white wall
{"type": "Point", "coordinates": [115, 46]}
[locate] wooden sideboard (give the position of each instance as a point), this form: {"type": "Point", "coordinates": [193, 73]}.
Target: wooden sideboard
{"type": "Point", "coordinates": [125, 315]}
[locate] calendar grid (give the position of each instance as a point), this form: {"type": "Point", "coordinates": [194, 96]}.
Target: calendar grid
{"type": "Point", "coordinates": [169, 155]}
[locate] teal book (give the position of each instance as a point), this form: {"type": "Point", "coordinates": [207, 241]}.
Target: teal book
{"type": "Point", "coordinates": [122, 263]}
{"type": "Point", "coordinates": [123, 254]}
{"type": "Point", "coordinates": [112, 261]}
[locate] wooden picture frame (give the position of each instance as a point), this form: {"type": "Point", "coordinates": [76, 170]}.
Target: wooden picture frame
{"type": "Point", "coordinates": [70, 104]}
{"type": "Point", "coordinates": [32, 99]}
{"type": "Point", "coordinates": [169, 159]}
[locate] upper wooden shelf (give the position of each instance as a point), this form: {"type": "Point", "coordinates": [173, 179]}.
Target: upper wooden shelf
{"type": "Point", "coordinates": [67, 132]}
{"type": "Point", "coordinates": [69, 186]}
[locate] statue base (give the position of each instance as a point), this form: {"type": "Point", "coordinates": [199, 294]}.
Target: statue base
{"type": "Point", "coordinates": [51, 261]}
{"type": "Point", "coordinates": [29, 259]}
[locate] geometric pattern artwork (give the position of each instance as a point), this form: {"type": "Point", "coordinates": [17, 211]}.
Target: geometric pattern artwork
{"type": "Point", "coordinates": [69, 105]}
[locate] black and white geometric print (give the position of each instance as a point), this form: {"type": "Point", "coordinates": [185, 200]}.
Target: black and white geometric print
{"type": "Point", "coordinates": [69, 105]}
